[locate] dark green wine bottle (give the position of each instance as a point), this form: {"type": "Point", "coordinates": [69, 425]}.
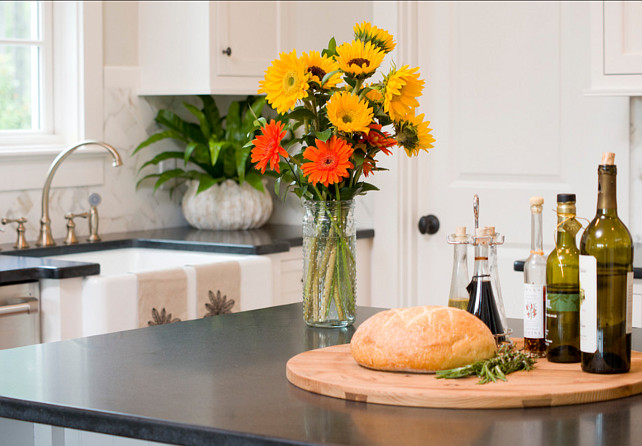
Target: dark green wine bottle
{"type": "Point", "coordinates": [563, 287]}
{"type": "Point", "coordinates": [606, 282]}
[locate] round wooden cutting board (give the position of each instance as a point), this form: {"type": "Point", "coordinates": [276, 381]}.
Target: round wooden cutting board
{"type": "Point", "coordinates": [332, 371]}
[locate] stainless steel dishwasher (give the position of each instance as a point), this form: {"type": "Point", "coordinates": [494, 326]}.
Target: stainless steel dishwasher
{"type": "Point", "coordinates": [19, 315]}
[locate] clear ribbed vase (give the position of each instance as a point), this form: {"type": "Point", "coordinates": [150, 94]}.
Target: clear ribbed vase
{"type": "Point", "coordinates": [329, 263]}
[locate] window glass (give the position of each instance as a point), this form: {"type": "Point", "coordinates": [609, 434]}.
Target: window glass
{"type": "Point", "coordinates": [20, 66]}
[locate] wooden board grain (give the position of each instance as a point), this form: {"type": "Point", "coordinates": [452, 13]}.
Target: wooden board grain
{"type": "Point", "coordinates": [332, 371]}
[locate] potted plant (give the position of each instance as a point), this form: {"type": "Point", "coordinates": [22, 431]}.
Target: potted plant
{"type": "Point", "coordinates": [224, 191]}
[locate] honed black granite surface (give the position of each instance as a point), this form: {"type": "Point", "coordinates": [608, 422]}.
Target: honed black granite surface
{"type": "Point", "coordinates": [266, 240]}
{"type": "Point", "coordinates": [221, 380]}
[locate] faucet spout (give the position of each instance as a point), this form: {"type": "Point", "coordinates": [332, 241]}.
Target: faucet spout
{"type": "Point", "coordinates": [45, 238]}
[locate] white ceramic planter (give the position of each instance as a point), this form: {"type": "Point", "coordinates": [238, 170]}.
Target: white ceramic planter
{"type": "Point", "coordinates": [227, 206]}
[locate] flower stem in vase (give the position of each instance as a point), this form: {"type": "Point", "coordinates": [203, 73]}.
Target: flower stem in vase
{"type": "Point", "coordinates": [327, 284]}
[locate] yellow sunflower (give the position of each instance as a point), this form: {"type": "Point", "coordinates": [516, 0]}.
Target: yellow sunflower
{"type": "Point", "coordinates": [402, 88]}
{"type": "Point", "coordinates": [413, 134]}
{"type": "Point", "coordinates": [286, 81]}
{"type": "Point", "coordinates": [379, 37]}
{"type": "Point", "coordinates": [318, 66]}
{"type": "Point", "coordinates": [348, 114]}
{"type": "Point", "coordinates": [359, 59]}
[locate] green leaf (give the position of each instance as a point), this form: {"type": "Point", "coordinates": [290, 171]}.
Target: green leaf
{"type": "Point", "coordinates": [252, 115]}
{"type": "Point", "coordinates": [162, 157]}
{"type": "Point", "coordinates": [327, 76]}
{"type": "Point", "coordinates": [168, 175]}
{"type": "Point", "coordinates": [215, 150]}
{"type": "Point", "coordinates": [301, 113]}
{"type": "Point", "coordinates": [160, 136]}
{"type": "Point", "coordinates": [324, 135]}
{"type": "Point", "coordinates": [255, 179]}
{"type": "Point", "coordinates": [213, 116]}
{"type": "Point", "coordinates": [189, 130]}
{"type": "Point", "coordinates": [205, 182]}
{"type": "Point", "coordinates": [241, 154]}
{"type": "Point", "coordinates": [233, 122]}
{"type": "Point", "coordinates": [189, 150]}
{"type": "Point", "coordinates": [205, 125]}
{"type": "Point", "coordinates": [331, 50]}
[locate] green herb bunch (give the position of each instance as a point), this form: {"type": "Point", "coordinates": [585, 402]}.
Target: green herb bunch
{"type": "Point", "coordinates": [506, 360]}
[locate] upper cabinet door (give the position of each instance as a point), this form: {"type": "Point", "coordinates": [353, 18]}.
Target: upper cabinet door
{"type": "Point", "coordinates": [616, 48]}
{"type": "Point", "coordinates": [206, 47]}
{"type": "Point", "coordinates": [247, 37]}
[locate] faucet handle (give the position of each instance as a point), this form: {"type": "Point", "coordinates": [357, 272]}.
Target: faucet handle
{"type": "Point", "coordinates": [71, 238]}
{"type": "Point", "coordinates": [21, 242]}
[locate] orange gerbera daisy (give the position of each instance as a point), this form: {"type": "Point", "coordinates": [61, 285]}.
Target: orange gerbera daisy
{"type": "Point", "coordinates": [379, 139]}
{"type": "Point", "coordinates": [329, 161]}
{"type": "Point", "coordinates": [368, 166]}
{"type": "Point", "coordinates": [267, 146]}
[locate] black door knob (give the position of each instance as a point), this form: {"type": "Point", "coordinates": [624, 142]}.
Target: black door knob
{"type": "Point", "coordinates": [227, 51]}
{"type": "Point", "coordinates": [428, 224]}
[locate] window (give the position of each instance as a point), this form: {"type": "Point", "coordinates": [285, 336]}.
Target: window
{"type": "Point", "coordinates": [51, 67]}
{"type": "Point", "coordinates": [50, 73]}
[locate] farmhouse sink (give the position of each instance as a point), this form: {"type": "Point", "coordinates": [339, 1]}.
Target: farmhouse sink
{"type": "Point", "coordinates": [108, 302]}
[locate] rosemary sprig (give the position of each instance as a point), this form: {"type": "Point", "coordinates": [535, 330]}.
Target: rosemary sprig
{"type": "Point", "coordinates": [506, 360]}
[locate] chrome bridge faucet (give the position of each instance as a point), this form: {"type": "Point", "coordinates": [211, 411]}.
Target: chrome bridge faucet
{"type": "Point", "coordinates": [45, 238]}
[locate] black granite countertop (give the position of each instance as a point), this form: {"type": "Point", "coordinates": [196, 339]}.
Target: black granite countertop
{"type": "Point", "coordinates": [221, 380]}
{"type": "Point", "coordinates": [25, 265]}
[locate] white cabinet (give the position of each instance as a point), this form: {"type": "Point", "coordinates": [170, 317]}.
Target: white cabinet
{"type": "Point", "coordinates": [224, 47]}
{"type": "Point", "coordinates": [616, 48]}
{"type": "Point", "coordinates": [206, 47]}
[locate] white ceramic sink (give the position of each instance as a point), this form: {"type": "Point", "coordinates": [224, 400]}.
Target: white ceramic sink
{"type": "Point", "coordinates": [135, 260]}
{"type": "Point", "coordinates": [108, 302]}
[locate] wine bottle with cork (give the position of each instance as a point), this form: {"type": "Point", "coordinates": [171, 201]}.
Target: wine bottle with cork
{"type": "Point", "coordinates": [535, 285]}
{"type": "Point", "coordinates": [606, 282]}
{"type": "Point", "coordinates": [563, 287]}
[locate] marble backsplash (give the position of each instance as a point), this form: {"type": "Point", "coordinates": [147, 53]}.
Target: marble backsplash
{"type": "Point", "coordinates": [128, 120]}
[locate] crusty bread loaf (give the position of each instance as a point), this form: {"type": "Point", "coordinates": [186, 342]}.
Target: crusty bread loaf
{"type": "Point", "coordinates": [421, 339]}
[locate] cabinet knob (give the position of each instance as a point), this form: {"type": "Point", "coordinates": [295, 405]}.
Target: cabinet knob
{"type": "Point", "coordinates": [428, 224]}
{"type": "Point", "coordinates": [227, 51]}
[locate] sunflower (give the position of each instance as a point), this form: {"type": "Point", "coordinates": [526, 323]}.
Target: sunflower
{"type": "Point", "coordinates": [359, 59]}
{"type": "Point", "coordinates": [267, 146]}
{"type": "Point", "coordinates": [329, 161]}
{"type": "Point", "coordinates": [379, 37]}
{"type": "Point", "coordinates": [379, 139]}
{"type": "Point", "coordinates": [349, 114]}
{"type": "Point", "coordinates": [413, 133]}
{"type": "Point", "coordinates": [318, 66]}
{"type": "Point", "coordinates": [286, 81]}
{"type": "Point", "coordinates": [402, 88]}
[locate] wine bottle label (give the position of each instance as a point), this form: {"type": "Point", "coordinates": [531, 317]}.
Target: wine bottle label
{"type": "Point", "coordinates": [534, 298]}
{"type": "Point", "coordinates": [562, 301]}
{"type": "Point", "coordinates": [629, 302]}
{"type": "Point", "coordinates": [588, 304]}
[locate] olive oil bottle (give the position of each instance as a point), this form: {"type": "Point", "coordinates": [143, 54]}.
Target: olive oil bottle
{"type": "Point", "coordinates": [606, 282]}
{"type": "Point", "coordinates": [563, 287]}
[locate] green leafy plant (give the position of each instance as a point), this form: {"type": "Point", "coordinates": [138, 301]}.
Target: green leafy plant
{"type": "Point", "coordinates": [215, 146]}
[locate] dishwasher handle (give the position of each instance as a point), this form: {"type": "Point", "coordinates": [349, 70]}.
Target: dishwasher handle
{"type": "Point", "coordinates": [27, 307]}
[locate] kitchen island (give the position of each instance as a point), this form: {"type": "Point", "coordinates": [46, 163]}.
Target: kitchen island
{"type": "Point", "coordinates": [221, 380]}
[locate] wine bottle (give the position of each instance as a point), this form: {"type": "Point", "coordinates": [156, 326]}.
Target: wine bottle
{"type": "Point", "coordinates": [563, 287]}
{"type": "Point", "coordinates": [458, 296]}
{"type": "Point", "coordinates": [535, 285]}
{"type": "Point", "coordinates": [606, 282]}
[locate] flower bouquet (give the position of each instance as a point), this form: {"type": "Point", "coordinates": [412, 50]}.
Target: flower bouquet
{"type": "Point", "coordinates": [334, 122]}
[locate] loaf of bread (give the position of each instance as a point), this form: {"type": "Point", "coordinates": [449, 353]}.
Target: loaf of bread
{"type": "Point", "coordinates": [421, 339]}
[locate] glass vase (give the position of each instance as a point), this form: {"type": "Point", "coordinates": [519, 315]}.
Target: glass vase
{"type": "Point", "coordinates": [329, 263]}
